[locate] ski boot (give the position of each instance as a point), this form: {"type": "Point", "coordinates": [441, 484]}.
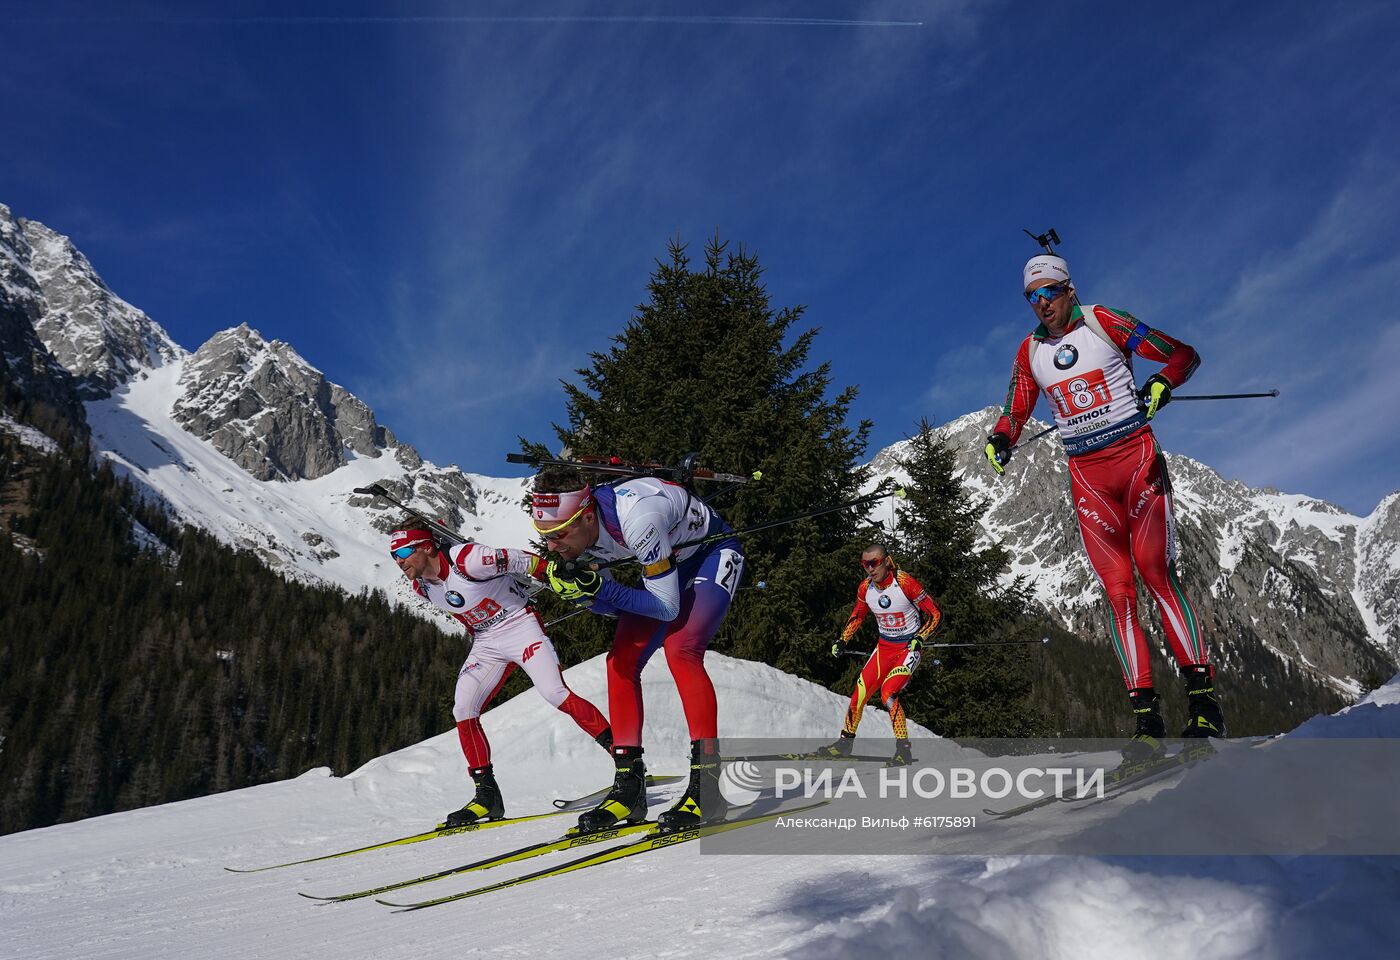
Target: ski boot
{"type": "Point", "coordinates": [840, 748]}
{"type": "Point", "coordinates": [486, 805]}
{"type": "Point", "coordinates": [604, 740]}
{"type": "Point", "coordinates": [627, 801]}
{"type": "Point", "coordinates": [903, 754]}
{"type": "Point", "coordinates": [1203, 710]}
{"type": "Point", "coordinates": [1146, 741]}
{"type": "Point", "coordinates": [702, 801]}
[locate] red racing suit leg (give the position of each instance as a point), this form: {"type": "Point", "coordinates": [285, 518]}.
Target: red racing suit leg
{"type": "Point", "coordinates": [685, 640]}
{"type": "Point", "coordinates": [632, 648]}
{"type": "Point", "coordinates": [1122, 500]}
{"type": "Point", "coordinates": [886, 672]}
{"type": "Point", "coordinates": [474, 691]}
{"type": "Point", "coordinates": [704, 602]}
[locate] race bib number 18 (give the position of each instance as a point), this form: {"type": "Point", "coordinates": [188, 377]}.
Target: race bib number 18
{"type": "Point", "coordinates": [1081, 393]}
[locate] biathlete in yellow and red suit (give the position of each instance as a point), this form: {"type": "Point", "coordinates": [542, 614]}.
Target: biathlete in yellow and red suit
{"type": "Point", "coordinates": [906, 616]}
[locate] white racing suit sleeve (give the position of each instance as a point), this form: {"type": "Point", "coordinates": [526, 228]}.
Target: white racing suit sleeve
{"type": "Point", "coordinates": [477, 561]}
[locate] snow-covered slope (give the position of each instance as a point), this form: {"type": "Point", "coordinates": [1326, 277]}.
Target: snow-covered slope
{"type": "Point", "coordinates": [148, 883]}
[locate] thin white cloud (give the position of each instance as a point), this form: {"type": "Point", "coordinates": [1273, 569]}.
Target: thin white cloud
{"type": "Point", "coordinates": [1343, 426]}
{"type": "Point", "coordinates": [512, 103]}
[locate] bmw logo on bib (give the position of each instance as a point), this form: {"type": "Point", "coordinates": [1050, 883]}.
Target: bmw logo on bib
{"type": "Point", "coordinates": [1065, 356]}
{"type": "Point", "coordinates": [884, 602]}
{"type": "Point", "coordinates": [455, 599]}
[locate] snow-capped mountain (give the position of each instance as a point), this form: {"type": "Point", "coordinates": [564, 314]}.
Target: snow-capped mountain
{"type": "Point", "coordinates": [242, 437]}
{"type": "Point", "coordinates": [245, 438]}
{"type": "Point", "coordinates": [96, 335]}
{"type": "Point", "coordinates": [1304, 578]}
{"type": "Point", "coordinates": [272, 413]}
{"type": "Point", "coordinates": [37, 377]}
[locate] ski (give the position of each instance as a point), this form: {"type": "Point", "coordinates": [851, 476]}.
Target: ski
{"type": "Point", "coordinates": [589, 800]}
{"type": "Point", "coordinates": [510, 856]}
{"type": "Point", "coordinates": [806, 757]}
{"type": "Point", "coordinates": [1140, 775]}
{"type": "Point", "coordinates": [1119, 778]}
{"type": "Point", "coordinates": [401, 841]}
{"type": "Point", "coordinates": [650, 842]}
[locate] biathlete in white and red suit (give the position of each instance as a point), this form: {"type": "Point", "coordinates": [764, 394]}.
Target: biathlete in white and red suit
{"type": "Point", "coordinates": [685, 593]}
{"type": "Point", "coordinates": [1081, 357]}
{"type": "Point", "coordinates": [905, 616]}
{"type": "Point", "coordinates": [479, 586]}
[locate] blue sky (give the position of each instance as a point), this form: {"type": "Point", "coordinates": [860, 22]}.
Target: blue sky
{"type": "Point", "coordinates": [471, 196]}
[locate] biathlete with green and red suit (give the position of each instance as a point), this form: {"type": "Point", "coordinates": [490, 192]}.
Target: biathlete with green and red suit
{"type": "Point", "coordinates": [1081, 358]}
{"type": "Point", "coordinates": [906, 616]}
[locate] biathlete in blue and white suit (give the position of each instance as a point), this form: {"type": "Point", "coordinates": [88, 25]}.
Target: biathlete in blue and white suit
{"type": "Point", "coordinates": [685, 593]}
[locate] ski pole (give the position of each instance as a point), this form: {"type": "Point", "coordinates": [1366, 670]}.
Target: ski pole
{"type": "Point", "coordinates": [1032, 439]}
{"type": "Point", "coordinates": [687, 471]}
{"type": "Point", "coordinates": [985, 643]}
{"type": "Point", "coordinates": [761, 585]}
{"type": "Point", "coordinates": [1225, 396]}
{"type": "Point", "coordinates": [375, 490]}
{"type": "Point", "coordinates": [531, 587]}
{"type": "Point", "coordinates": [878, 494]}
{"type": "Point", "coordinates": [990, 643]}
{"type": "Point", "coordinates": [1196, 396]}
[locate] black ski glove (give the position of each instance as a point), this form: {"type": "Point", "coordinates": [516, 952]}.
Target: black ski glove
{"type": "Point", "coordinates": [998, 451]}
{"type": "Point", "coordinates": [1155, 394]}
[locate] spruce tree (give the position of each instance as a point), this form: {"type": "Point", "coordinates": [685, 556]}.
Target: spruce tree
{"type": "Point", "coordinates": [984, 692]}
{"type": "Point", "coordinates": [709, 365]}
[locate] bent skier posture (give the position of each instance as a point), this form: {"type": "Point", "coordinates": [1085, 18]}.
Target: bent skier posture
{"type": "Point", "coordinates": [906, 616]}
{"type": "Point", "coordinates": [686, 592]}
{"type": "Point", "coordinates": [1081, 357]}
{"type": "Point", "coordinates": [478, 586]}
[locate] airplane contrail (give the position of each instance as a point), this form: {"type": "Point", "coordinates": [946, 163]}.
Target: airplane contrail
{"type": "Point", "coordinates": [680, 20]}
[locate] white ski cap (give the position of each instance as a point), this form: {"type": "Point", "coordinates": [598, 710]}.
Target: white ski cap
{"type": "Point", "coordinates": [1046, 266]}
